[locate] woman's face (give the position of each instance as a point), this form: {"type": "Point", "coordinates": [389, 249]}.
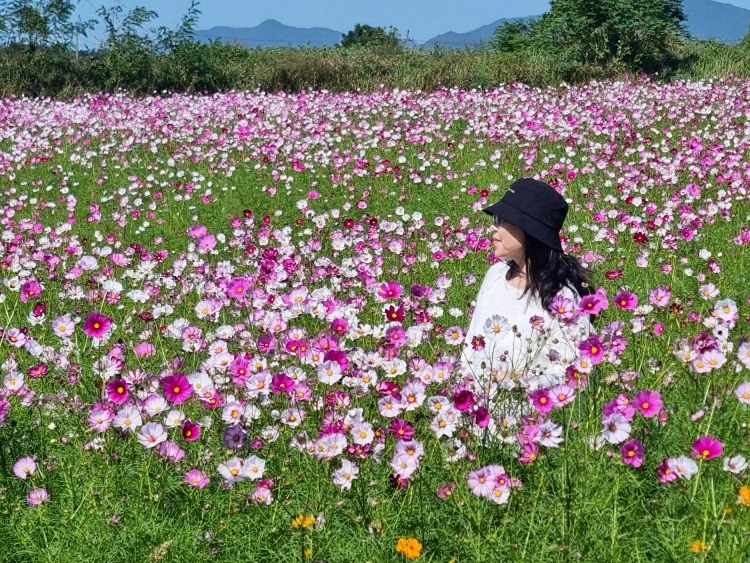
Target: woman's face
{"type": "Point", "coordinates": [508, 241]}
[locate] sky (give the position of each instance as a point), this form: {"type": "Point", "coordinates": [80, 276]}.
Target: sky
{"type": "Point", "coordinates": [419, 20]}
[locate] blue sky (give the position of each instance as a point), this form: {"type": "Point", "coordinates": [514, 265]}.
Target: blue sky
{"type": "Point", "coordinates": [422, 19]}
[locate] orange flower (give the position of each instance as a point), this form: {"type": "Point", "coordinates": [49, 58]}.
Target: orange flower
{"type": "Point", "coordinates": [411, 548]}
{"type": "Point", "coordinates": [303, 521]}
{"type": "Point", "coordinates": [698, 545]}
{"type": "Point", "coordinates": [744, 495]}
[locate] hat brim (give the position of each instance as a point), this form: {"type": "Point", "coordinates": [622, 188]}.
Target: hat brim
{"type": "Point", "coordinates": [528, 224]}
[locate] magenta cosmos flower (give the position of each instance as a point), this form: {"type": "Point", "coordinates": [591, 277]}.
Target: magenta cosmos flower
{"type": "Point", "coordinates": [649, 403]}
{"type": "Point", "coordinates": [593, 349]}
{"type": "Point", "coordinates": [96, 325]}
{"type": "Point", "coordinates": [594, 303]}
{"type": "Point", "coordinates": [707, 447]}
{"type": "Point", "coordinates": [117, 391]}
{"type": "Point", "coordinates": [633, 453]}
{"type": "Point", "coordinates": [626, 301]}
{"type": "Point", "coordinates": [177, 388]}
{"type": "Point", "coordinates": [190, 430]}
{"type": "Point", "coordinates": [541, 401]}
{"type": "Point", "coordinates": [401, 430]}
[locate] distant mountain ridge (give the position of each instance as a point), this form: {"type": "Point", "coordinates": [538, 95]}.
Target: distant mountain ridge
{"type": "Point", "coordinates": [705, 19]}
{"type": "Point", "coordinates": [271, 33]}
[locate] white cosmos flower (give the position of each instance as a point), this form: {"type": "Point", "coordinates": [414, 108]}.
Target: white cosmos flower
{"type": "Point", "coordinates": [616, 428]}
{"type": "Point", "coordinates": [736, 464]}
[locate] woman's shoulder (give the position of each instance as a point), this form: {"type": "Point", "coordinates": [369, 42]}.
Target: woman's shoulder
{"type": "Point", "coordinates": [498, 269]}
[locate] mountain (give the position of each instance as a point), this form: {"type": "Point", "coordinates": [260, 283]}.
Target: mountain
{"type": "Point", "coordinates": [471, 38]}
{"type": "Point", "coordinates": [705, 19]}
{"type": "Point", "coordinates": [271, 33]}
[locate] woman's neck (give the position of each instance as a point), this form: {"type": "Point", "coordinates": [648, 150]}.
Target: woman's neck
{"type": "Point", "coordinates": [517, 276]}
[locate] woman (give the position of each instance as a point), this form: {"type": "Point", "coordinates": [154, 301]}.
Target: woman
{"type": "Point", "coordinates": [526, 323]}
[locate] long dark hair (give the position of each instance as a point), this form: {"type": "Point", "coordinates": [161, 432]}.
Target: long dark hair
{"type": "Point", "coordinates": [548, 271]}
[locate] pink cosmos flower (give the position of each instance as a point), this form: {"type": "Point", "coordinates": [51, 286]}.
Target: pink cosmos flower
{"type": "Point", "coordinates": [170, 451]}
{"type": "Point", "coordinates": [660, 296]}
{"type": "Point", "coordinates": [96, 324]}
{"type": "Point", "coordinates": [664, 473]}
{"type": "Point", "coordinates": [445, 490]}
{"type": "Point", "coordinates": [196, 478]}
{"type": "Point", "coordinates": [37, 497]}
{"type": "Point", "coordinates": [196, 231]}
{"type": "Point", "coordinates": [339, 326]}
{"type": "Point", "coordinates": [24, 467]}
{"type": "Point", "coordinates": [100, 417]}
{"type": "Point", "coordinates": [541, 401]}
{"type": "Point", "coordinates": [562, 394]}
{"type": "Point", "coordinates": [262, 495]}
{"type": "Point", "coordinates": [594, 303]}
{"type": "Point", "coordinates": [266, 343]}
{"type": "Point", "coordinates": [144, 349]}
{"type": "Point", "coordinates": [117, 391]}
{"type": "Point", "coordinates": [626, 301]}
{"type": "Point", "coordinates": [390, 290]}
{"type": "Point", "coordinates": [649, 403]}
{"type": "Point", "coordinates": [481, 482]}
{"type": "Point", "coordinates": [593, 349]}
{"type": "Point", "coordinates": [633, 453]}
{"type": "Point", "coordinates": [529, 452]}
{"type": "Point", "coordinates": [396, 335]}
{"type": "Point", "coordinates": [743, 392]}
{"type": "Point", "coordinates": [238, 288]}
{"type": "Point", "coordinates": [707, 447]}
{"type": "Point", "coordinates": [38, 371]}
{"type": "Point", "coordinates": [177, 388]}
{"type": "Point", "coordinates": [282, 383]}
{"type": "Point", "coordinates": [30, 290]}
{"type": "Point", "coordinates": [481, 417]}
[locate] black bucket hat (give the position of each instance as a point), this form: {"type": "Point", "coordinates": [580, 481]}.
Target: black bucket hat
{"type": "Point", "coordinates": [535, 207]}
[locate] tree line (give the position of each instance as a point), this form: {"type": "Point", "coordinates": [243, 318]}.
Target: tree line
{"type": "Point", "coordinates": [576, 40]}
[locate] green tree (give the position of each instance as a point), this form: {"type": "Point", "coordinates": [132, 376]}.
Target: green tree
{"type": "Point", "coordinates": [369, 36]}
{"type": "Point", "coordinates": [40, 22]}
{"type": "Point", "coordinates": [512, 37]}
{"type": "Point", "coordinates": [640, 33]}
{"type": "Point", "coordinates": [170, 39]}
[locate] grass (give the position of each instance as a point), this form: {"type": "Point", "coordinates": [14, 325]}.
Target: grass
{"type": "Point", "coordinates": [121, 502]}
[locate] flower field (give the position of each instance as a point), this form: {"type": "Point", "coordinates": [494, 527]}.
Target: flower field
{"type": "Point", "coordinates": [232, 327]}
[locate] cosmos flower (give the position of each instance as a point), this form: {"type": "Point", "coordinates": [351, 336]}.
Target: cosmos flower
{"type": "Point", "coordinates": [190, 431]}
{"type": "Point", "coordinates": [96, 325]}
{"type": "Point", "coordinates": [24, 467]}
{"type": "Point", "coordinates": [648, 403]}
{"type": "Point", "coordinates": [37, 497]}
{"type": "Point", "coordinates": [707, 447]}
{"type": "Point", "coordinates": [196, 478]}
{"type": "Point", "coordinates": [176, 388]}
{"type": "Point", "coordinates": [616, 428]}
{"type": "Point", "coordinates": [633, 452]}
{"type": "Point", "coordinates": [626, 301]}
{"type": "Point", "coordinates": [117, 391]}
